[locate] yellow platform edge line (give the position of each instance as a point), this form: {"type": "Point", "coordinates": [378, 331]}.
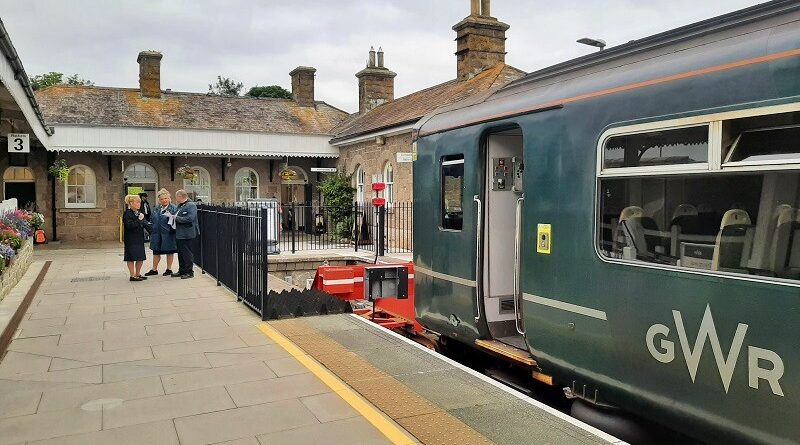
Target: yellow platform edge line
{"type": "Point", "coordinates": [378, 419]}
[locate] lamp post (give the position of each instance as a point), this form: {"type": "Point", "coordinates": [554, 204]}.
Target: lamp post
{"type": "Point", "coordinates": [593, 42]}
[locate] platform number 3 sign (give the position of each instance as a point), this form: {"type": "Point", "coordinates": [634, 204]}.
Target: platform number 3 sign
{"type": "Point", "coordinates": [19, 143]}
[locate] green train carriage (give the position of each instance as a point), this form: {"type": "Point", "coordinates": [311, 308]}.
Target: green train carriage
{"type": "Point", "coordinates": [631, 219]}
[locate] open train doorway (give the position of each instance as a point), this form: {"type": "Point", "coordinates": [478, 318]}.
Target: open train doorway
{"type": "Point", "coordinates": [504, 201]}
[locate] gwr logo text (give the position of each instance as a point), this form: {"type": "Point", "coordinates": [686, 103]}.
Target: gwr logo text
{"type": "Point", "coordinates": [664, 352]}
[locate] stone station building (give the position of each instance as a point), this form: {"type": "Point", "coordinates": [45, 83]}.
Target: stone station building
{"type": "Point", "coordinates": [119, 139]}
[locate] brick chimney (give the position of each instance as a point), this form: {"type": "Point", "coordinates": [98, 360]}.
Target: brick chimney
{"type": "Point", "coordinates": [150, 74]}
{"type": "Point", "coordinates": [303, 85]}
{"type": "Point", "coordinates": [480, 41]}
{"type": "Point", "coordinates": [375, 83]}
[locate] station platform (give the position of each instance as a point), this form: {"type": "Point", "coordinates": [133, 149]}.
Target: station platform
{"type": "Point", "coordinates": [436, 400]}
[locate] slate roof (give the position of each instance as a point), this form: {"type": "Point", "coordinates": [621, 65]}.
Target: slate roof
{"type": "Point", "coordinates": [408, 109]}
{"type": "Point", "coordinates": [125, 107]}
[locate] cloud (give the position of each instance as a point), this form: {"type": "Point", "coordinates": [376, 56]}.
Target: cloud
{"type": "Point", "coordinates": [259, 42]}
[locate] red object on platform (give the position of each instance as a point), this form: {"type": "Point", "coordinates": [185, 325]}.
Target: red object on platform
{"type": "Point", "coordinates": [347, 283]}
{"type": "Point", "coordinates": [378, 186]}
{"type": "Point", "coordinates": [379, 202]}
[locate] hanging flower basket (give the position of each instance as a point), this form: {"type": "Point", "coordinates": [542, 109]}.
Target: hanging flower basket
{"type": "Point", "coordinates": [186, 172]}
{"type": "Point", "coordinates": [59, 170]}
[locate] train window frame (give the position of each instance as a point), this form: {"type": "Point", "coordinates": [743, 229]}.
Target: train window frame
{"type": "Point", "coordinates": [715, 166]}
{"type": "Point", "coordinates": [446, 160]}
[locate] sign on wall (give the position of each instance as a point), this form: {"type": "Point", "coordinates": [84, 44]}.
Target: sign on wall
{"type": "Point", "coordinates": [19, 143]}
{"type": "Point", "coordinates": [323, 169]}
{"type": "Point", "coordinates": [405, 157]}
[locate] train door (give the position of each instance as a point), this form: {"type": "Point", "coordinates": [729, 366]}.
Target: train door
{"type": "Point", "coordinates": [504, 200]}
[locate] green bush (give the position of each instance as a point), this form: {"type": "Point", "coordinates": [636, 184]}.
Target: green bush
{"type": "Point", "coordinates": [338, 191]}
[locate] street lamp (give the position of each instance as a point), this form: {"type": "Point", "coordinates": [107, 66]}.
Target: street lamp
{"type": "Point", "coordinates": [593, 42]}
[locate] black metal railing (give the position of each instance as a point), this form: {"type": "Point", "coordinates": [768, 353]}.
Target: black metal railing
{"type": "Point", "coordinates": [233, 247]}
{"type": "Point", "coordinates": [297, 228]}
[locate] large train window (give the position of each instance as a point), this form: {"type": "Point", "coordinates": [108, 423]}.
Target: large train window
{"type": "Point", "coordinates": [452, 192]}
{"type": "Point", "coordinates": [739, 215]}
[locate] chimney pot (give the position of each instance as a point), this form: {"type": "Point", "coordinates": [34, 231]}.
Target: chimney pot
{"type": "Point", "coordinates": [150, 74]}
{"type": "Point", "coordinates": [375, 83]}
{"type": "Point", "coordinates": [480, 42]}
{"type": "Point", "coordinates": [303, 85]}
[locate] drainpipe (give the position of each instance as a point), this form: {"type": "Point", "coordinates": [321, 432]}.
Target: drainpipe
{"type": "Point", "coordinates": [51, 157]}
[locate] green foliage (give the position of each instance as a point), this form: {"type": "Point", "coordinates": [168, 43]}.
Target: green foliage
{"type": "Point", "coordinates": [55, 78]}
{"type": "Point", "coordinates": [275, 91]}
{"type": "Point", "coordinates": [338, 192]}
{"type": "Point", "coordinates": [59, 170]}
{"type": "Point", "coordinates": [225, 86]}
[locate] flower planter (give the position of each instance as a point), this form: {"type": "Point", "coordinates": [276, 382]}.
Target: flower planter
{"type": "Point", "coordinates": [19, 265]}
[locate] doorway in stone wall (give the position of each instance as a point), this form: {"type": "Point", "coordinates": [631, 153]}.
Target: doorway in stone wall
{"type": "Point", "coordinates": [141, 176]}
{"type": "Point", "coordinates": [18, 182]}
{"type": "Point", "coordinates": [295, 192]}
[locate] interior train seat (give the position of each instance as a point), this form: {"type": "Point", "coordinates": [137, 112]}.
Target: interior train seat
{"type": "Point", "coordinates": [734, 241]}
{"type": "Point", "coordinates": [785, 246]}
{"type": "Point", "coordinates": [638, 231]}
{"type": "Point", "coordinates": [685, 219]}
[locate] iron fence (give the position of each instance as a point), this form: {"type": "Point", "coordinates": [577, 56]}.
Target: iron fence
{"type": "Point", "coordinates": [233, 247]}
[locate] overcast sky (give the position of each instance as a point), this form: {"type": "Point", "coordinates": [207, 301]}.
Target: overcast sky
{"type": "Point", "coordinates": [259, 42]}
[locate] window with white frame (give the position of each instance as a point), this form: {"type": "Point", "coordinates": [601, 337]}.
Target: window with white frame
{"type": "Point", "coordinates": [246, 184]}
{"type": "Point", "coordinates": [359, 178]}
{"type": "Point", "coordinates": [80, 190]}
{"type": "Point", "coordinates": [723, 197]}
{"type": "Point", "coordinates": [388, 179]}
{"type": "Point", "coordinates": [199, 186]}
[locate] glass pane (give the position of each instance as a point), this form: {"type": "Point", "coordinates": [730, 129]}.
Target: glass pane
{"type": "Point", "coordinates": [452, 192]}
{"type": "Point", "coordinates": [666, 147]}
{"type": "Point", "coordinates": [745, 223]}
{"type": "Point", "coordinates": [776, 144]}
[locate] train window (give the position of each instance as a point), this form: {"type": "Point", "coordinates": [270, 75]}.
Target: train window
{"type": "Point", "coordinates": [770, 139]}
{"type": "Point", "coordinates": [656, 148]}
{"type": "Point", "coordinates": [452, 192]}
{"type": "Point", "coordinates": [746, 223]}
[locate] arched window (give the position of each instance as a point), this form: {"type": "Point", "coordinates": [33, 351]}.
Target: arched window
{"type": "Point", "coordinates": [246, 184]}
{"type": "Point", "coordinates": [359, 179]}
{"type": "Point", "coordinates": [80, 191]}
{"type": "Point", "coordinates": [388, 179]}
{"type": "Point", "coordinates": [18, 174]}
{"type": "Point", "coordinates": [199, 187]}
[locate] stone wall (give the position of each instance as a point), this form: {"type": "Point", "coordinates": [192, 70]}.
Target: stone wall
{"type": "Point", "coordinates": [373, 158]}
{"type": "Point", "coordinates": [12, 274]}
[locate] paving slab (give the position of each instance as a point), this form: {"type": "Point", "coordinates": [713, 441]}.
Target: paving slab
{"type": "Point", "coordinates": [152, 433]}
{"type": "Point", "coordinates": [167, 407]}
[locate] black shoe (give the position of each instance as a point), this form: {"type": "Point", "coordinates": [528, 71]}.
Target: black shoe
{"type": "Point", "coordinates": [176, 275]}
{"type": "Point", "coordinates": [137, 279]}
{"type": "Point", "coordinates": [187, 276]}
{"type": "Point", "coordinates": [151, 273]}
{"type": "Point", "coordinates": [142, 278]}
{"type": "Point", "coordinates": [167, 273]}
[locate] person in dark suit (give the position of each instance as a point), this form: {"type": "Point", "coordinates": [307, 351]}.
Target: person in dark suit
{"type": "Point", "coordinates": [186, 230]}
{"type": "Point", "coordinates": [134, 223]}
{"type": "Point", "coordinates": [147, 212]}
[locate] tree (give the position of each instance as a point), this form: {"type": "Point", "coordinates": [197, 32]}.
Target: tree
{"type": "Point", "coordinates": [276, 91]}
{"type": "Point", "coordinates": [55, 78]}
{"type": "Point", "coordinates": [225, 86]}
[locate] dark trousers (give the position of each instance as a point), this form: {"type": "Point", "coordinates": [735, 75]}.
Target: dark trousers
{"type": "Point", "coordinates": [185, 256]}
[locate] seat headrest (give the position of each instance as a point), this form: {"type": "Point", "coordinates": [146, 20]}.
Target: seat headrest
{"type": "Point", "coordinates": [735, 217]}
{"type": "Point", "coordinates": [684, 210]}
{"type": "Point", "coordinates": [785, 213]}
{"type": "Point", "coordinates": [631, 212]}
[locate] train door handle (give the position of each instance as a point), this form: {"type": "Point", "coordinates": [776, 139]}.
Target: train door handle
{"type": "Point", "coordinates": [517, 261]}
{"type": "Point", "coordinates": [477, 201]}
